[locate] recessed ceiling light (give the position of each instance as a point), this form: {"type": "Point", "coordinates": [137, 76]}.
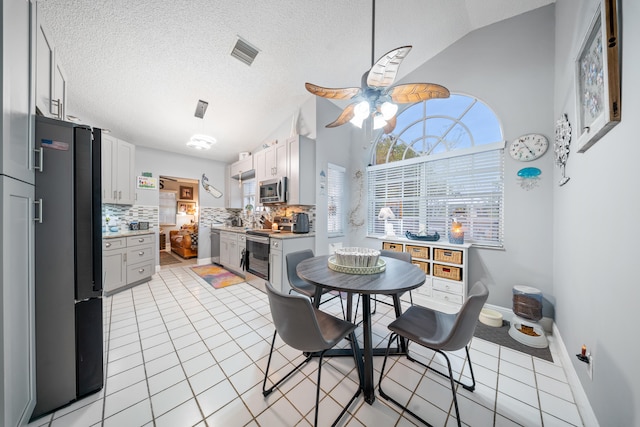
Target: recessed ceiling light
{"type": "Point", "coordinates": [73, 118]}
{"type": "Point", "coordinates": [201, 142]}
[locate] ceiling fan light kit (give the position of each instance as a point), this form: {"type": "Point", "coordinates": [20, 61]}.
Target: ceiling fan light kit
{"type": "Point", "coordinates": [376, 97]}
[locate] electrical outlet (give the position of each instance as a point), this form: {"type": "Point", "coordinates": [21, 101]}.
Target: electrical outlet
{"type": "Point", "coordinates": [590, 366]}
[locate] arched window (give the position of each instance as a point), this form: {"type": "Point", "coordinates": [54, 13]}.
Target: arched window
{"type": "Point", "coordinates": [444, 161]}
{"type": "Point", "coordinates": [438, 126]}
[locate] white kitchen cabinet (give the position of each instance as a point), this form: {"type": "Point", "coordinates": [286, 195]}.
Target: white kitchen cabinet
{"type": "Point", "coordinates": [16, 155]}
{"type": "Point", "coordinates": [231, 249]}
{"type": "Point", "coordinates": [242, 169]}
{"type": "Point", "coordinates": [17, 230]}
{"type": "Point", "coordinates": [118, 171]}
{"type": "Point", "coordinates": [51, 81]}
{"type": "Point", "coordinates": [301, 171]}
{"type": "Point", "coordinates": [114, 273]}
{"type": "Point", "coordinates": [271, 162]}
{"type": "Point", "coordinates": [278, 258]}
{"type": "Point", "coordinates": [127, 261]}
{"type": "Point", "coordinates": [17, 344]}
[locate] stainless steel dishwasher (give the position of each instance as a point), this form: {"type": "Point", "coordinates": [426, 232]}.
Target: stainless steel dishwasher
{"type": "Point", "coordinates": [215, 246]}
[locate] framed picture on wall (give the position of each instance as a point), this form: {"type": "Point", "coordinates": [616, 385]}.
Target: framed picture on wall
{"type": "Point", "coordinates": [186, 192]}
{"type": "Point", "coordinates": [597, 75]}
{"type": "Point", "coordinates": [188, 208]}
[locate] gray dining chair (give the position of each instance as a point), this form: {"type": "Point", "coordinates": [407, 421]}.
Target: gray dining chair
{"type": "Point", "coordinates": [305, 328]}
{"type": "Point", "coordinates": [440, 332]}
{"type": "Point", "coordinates": [402, 256]}
{"type": "Point", "coordinates": [299, 285]}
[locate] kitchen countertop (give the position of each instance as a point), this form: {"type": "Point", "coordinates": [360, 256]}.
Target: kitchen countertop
{"type": "Point", "coordinates": [127, 233]}
{"type": "Point", "coordinates": [281, 235]}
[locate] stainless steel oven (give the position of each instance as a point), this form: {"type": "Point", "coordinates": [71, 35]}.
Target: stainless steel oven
{"type": "Point", "coordinates": [257, 258]}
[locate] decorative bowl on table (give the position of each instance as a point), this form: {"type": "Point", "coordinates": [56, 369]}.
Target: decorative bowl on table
{"type": "Point", "coordinates": [357, 261]}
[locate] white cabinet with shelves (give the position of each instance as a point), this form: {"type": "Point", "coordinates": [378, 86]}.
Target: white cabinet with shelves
{"type": "Point", "coordinates": [301, 171]}
{"type": "Point", "coordinates": [278, 258]}
{"type": "Point", "coordinates": [127, 261]}
{"type": "Point", "coordinates": [118, 173]}
{"type": "Point", "coordinates": [446, 268]}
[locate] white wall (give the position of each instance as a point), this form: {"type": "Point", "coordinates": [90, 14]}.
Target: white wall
{"type": "Point", "coordinates": [509, 66]}
{"type": "Point", "coordinates": [596, 231]}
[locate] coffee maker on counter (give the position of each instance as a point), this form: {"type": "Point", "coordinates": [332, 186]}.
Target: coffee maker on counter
{"type": "Point", "coordinates": [300, 223]}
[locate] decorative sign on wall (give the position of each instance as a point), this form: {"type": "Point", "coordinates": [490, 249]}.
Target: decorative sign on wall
{"type": "Point", "coordinates": [561, 146]}
{"type": "Point", "coordinates": [147, 183]}
{"type": "Point", "coordinates": [529, 177]}
{"type": "Point", "coordinates": [598, 77]}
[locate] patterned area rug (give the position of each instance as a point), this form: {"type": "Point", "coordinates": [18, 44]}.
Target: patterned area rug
{"type": "Point", "coordinates": [167, 258]}
{"type": "Point", "coordinates": [501, 336]}
{"type": "Point", "coordinates": [216, 276]}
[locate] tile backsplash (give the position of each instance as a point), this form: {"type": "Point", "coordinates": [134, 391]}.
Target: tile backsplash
{"type": "Point", "coordinates": [120, 215]}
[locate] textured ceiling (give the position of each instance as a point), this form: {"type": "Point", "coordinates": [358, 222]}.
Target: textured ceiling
{"type": "Point", "coordinates": [138, 67]}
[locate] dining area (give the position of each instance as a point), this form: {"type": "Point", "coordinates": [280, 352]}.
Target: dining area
{"type": "Point", "coordinates": [362, 286]}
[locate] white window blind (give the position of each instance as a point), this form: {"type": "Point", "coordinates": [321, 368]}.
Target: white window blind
{"type": "Point", "coordinates": [430, 193]}
{"type": "Point", "coordinates": [335, 196]}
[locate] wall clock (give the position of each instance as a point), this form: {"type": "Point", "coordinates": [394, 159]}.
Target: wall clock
{"type": "Point", "coordinates": [528, 147]}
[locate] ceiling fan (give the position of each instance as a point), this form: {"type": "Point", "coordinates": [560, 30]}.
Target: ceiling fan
{"type": "Point", "coordinates": [376, 97]}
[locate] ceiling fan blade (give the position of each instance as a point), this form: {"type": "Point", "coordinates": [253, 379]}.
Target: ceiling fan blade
{"type": "Point", "coordinates": [415, 92]}
{"type": "Point", "coordinates": [390, 126]}
{"type": "Point", "coordinates": [384, 71]}
{"type": "Point", "coordinates": [339, 93]}
{"type": "Point", "coordinates": [346, 115]}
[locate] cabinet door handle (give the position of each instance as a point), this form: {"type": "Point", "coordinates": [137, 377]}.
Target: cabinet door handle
{"type": "Point", "coordinates": [141, 239]}
{"type": "Point", "coordinates": [119, 195]}
{"type": "Point", "coordinates": [141, 270]}
{"type": "Point", "coordinates": [39, 217]}
{"type": "Point", "coordinates": [58, 104]}
{"type": "Point", "coordinates": [107, 245]}
{"type": "Point", "coordinates": [40, 164]}
{"type": "Point", "coordinates": [115, 194]}
{"type": "Point", "coordinates": [141, 253]}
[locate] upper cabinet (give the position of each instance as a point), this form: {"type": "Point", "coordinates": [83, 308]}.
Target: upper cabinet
{"type": "Point", "coordinates": [51, 81]}
{"type": "Point", "coordinates": [118, 173]}
{"type": "Point", "coordinates": [16, 55]}
{"type": "Point", "coordinates": [242, 169]}
{"type": "Point", "coordinates": [301, 170]}
{"type": "Point", "coordinates": [271, 162]}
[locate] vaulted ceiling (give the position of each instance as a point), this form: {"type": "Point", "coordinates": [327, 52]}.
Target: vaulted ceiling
{"type": "Point", "coordinates": [139, 67]}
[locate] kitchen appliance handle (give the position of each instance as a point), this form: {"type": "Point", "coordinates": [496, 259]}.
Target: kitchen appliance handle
{"type": "Point", "coordinates": [39, 167]}
{"type": "Point", "coordinates": [258, 239]}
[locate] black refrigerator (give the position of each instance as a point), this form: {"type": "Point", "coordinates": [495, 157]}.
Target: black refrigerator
{"type": "Point", "coordinates": [68, 263]}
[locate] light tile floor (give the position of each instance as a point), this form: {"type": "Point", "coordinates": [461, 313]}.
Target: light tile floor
{"type": "Point", "coordinates": [181, 353]}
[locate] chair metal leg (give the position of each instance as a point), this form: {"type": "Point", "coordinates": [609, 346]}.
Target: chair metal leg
{"type": "Point", "coordinates": [266, 392]}
{"type": "Point", "coordinates": [450, 377]}
{"type": "Point", "coordinates": [357, 357]}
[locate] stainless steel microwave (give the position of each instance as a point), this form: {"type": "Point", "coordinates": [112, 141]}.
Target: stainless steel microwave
{"type": "Point", "coordinates": [273, 191]}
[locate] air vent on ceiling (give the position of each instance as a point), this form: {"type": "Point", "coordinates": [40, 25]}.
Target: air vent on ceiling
{"type": "Point", "coordinates": [201, 108]}
{"type": "Point", "coordinates": [244, 52]}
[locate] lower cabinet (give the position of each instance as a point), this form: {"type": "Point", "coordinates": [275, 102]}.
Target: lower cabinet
{"type": "Point", "coordinates": [278, 258]}
{"type": "Point", "coordinates": [232, 247]}
{"type": "Point", "coordinates": [127, 261]}
{"type": "Point", "coordinates": [446, 268]}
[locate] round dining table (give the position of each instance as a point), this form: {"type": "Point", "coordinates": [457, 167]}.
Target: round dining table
{"type": "Point", "coordinates": [397, 278]}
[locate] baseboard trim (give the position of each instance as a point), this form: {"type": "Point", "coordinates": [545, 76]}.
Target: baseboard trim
{"type": "Point", "coordinates": [582, 401]}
